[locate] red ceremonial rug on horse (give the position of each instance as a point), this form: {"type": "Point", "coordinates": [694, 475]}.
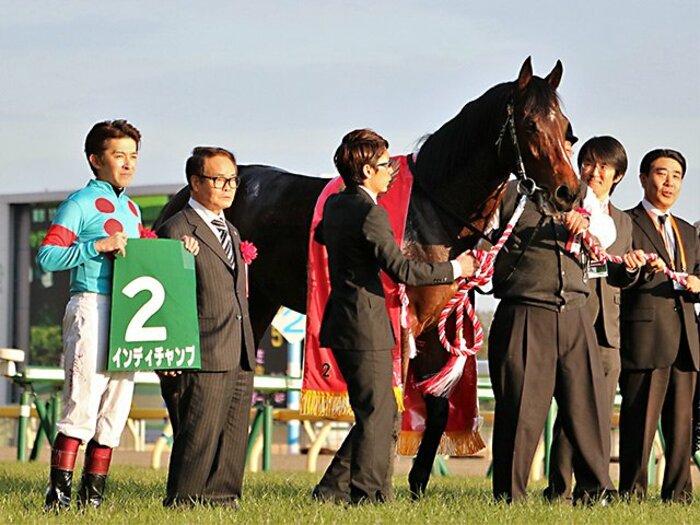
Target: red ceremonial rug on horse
{"type": "Point", "coordinates": [324, 392]}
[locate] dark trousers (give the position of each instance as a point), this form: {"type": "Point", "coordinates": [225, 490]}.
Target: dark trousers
{"type": "Point", "coordinates": [562, 466]}
{"type": "Point", "coordinates": [210, 433]}
{"type": "Point", "coordinates": [534, 354]}
{"type": "Point", "coordinates": [646, 395]}
{"type": "Point", "coordinates": [361, 469]}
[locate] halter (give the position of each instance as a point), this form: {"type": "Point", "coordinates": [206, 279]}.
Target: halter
{"type": "Point", "coordinates": [526, 185]}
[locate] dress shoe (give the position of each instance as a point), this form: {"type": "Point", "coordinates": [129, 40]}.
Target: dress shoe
{"type": "Point", "coordinates": [602, 498]}
{"type": "Point", "coordinates": [324, 495]}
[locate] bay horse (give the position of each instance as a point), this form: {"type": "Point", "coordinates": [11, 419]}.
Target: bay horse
{"type": "Point", "coordinates": [459, 173]}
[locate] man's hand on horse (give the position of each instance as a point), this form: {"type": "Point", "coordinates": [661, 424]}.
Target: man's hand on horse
{"type": "Point", "coordinates": [468, 263]}
{"type": "Point", "coordinates": [191, 244]}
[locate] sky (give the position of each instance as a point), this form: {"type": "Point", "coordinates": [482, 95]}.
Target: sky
{"type": "Point", "coordinates": [280, 82]}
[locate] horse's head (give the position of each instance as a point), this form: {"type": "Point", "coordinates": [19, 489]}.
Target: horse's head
{"type": "Point", "coordinates": [541, 128]}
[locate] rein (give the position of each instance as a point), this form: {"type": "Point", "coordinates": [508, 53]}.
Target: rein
{"type": "Point", "coordinates": [444, 381]}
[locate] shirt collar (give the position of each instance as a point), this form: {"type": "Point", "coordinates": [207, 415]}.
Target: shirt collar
{"type": "Point", "coordinates": [371, 194]}
{"type": "Point", "coordinates": [205, 213]}
{"type": "Point", "coordinates": [648, 206]}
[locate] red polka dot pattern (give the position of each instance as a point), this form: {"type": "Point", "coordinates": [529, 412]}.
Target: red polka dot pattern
{"type": "Point", "coordinates": [133, 209]}
{"type": "Point", "coordinates": [104, 205]}
{"type": "Point", "coordinates": [113, 226]}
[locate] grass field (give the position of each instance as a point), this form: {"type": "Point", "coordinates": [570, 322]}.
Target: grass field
{"type": "Point", "coordinates": [134, 497]}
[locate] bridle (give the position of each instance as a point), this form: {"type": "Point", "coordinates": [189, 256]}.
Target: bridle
{"type": "Point", "coordinates": [526, 185]}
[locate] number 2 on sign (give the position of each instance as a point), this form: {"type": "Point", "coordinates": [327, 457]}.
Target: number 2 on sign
{"type": "Point", "coordinates": [135, 330]}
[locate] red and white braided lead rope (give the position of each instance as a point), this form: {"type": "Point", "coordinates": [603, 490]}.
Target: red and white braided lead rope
{"type": "Point", "coordinates": [601, 255]}
{"type": "Point", "coordinates": [442, 383]}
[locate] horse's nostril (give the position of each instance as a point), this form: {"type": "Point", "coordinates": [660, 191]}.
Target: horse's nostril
{"type": "Point", "coordinates": [564, 194]}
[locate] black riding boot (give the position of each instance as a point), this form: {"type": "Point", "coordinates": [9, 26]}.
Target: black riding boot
{"type": "Point", "coordinates": [63, 455]}
{"type": "Point", "coordinates": [58, 493]}
{"type": "Point", "coordinates": [95, 469]}
{"type": "Point", "coordinates": [92, 489]}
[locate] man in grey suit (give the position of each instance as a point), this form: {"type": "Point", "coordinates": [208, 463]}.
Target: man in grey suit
{"type": "Point", "coordinates": [602, 163]}
{"type": "Point", "coordinates": [210, 407]}
{"type": "Point", "coordinates": [355, 325]}
{"type": "Point", "coordinates": [660, 347]}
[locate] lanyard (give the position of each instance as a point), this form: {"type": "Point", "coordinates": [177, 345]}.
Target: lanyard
{"type": "Point", "coordinates": [664, 237]}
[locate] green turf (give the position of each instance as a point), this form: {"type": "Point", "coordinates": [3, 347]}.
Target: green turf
{"type": "Point", "coordinates": [134, 497]}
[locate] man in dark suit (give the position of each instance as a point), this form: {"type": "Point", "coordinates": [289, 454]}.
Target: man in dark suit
{"type": "Point", "coordinates": [660, 348]}
{"type": "Point", "coordinates": [542, 345]}
{"type": "Point", "coordinates": [355, 325]}
{"type": "Point", "coordinates": [602, 163]}
{"type": "Point", "coordinates": [210, 407]}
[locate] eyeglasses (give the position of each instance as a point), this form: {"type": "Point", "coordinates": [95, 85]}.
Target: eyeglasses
{"type": "Point", "coordinates": [221, 182]}
{"type": "Point", "coordinates": [389, 164]}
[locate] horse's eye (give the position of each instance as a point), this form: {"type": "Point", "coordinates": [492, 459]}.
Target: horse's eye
{"type": "Point", "coordinates": [531, 126]}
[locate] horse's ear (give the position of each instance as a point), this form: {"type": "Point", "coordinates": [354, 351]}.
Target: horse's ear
{"type": "Point", "coordinates": [554, 76]}
{"type": "Point", "coordinates": [525, 74]}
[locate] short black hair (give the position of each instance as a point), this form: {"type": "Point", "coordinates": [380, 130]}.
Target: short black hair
{"type": "Point", "coordinates": [655, 154]}
{"type": "Point", "coordinates": [106, 130]}
{"type": "Point", "coordinates": [195, 164]}
{"type": "Point", "coordinates": [608, 150]}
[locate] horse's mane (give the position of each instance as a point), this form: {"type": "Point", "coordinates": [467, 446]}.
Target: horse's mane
{"type": "Point", "coordinates": [446, 152]}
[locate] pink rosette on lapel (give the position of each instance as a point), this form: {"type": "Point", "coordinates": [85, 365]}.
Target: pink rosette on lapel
{"type": "Point", "coordinates": [249, 253]}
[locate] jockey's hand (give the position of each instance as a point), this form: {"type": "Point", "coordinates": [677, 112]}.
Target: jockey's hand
{"type": "Point", "coordinates": [468, 264]}
{"type": "Point", "coordinates": [575, 222]}
{"type": "Point", "coordinates": [168, 373]}
{"type": "Point", "coordinates": [693, 284]}
{"type": "Point", "coordinates": [191, 244]}
{"type": "Point", "coordinates": [634, 260]}
{"type": "Point", "coordinates": [114, 243]}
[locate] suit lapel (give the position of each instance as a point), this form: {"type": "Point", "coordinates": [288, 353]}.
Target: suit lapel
{"type": "Point", "coordinates": [238, 258]}
{"type": "Point", "coordinates": [642, 219]}
{"type": "Point", "coordinates": [205, 235]}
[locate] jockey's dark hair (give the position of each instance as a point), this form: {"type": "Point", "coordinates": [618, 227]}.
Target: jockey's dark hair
{"type": "Point", "coordinates": [106, 130]}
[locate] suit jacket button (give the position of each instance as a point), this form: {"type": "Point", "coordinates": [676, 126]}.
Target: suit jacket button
{"type": "Point", "coordinates": [239, 316]}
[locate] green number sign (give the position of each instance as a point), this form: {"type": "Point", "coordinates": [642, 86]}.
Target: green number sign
{"type": "Point", "coordinates": [154, 308]}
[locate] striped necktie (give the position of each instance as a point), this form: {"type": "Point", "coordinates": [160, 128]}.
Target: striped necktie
{"type": "Point", "coordinates": [224, 238]}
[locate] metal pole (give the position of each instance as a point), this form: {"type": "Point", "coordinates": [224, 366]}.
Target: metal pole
{"type": "Point", "coordinates": [267, 434]}
{"type": "Point", "coordinates": [293, 396]}
{"type": "Point", "coordinates": [254, 432]}
{"type": "Point", "coordinates": [25, 410]}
